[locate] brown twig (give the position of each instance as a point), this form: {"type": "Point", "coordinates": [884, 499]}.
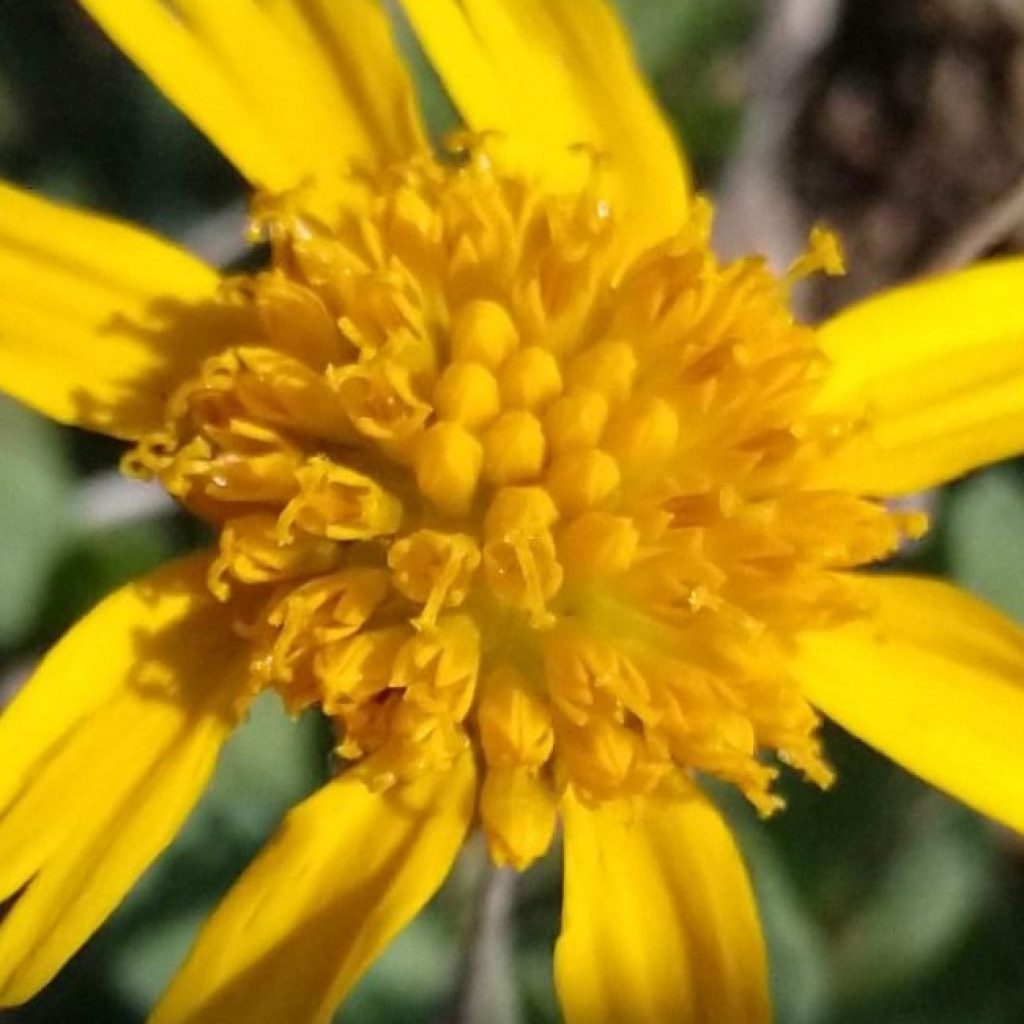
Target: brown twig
{"type": "Point", "coordinates": [487, 992]}
{"type": "Point", "coordinates": [757, 211]}
{"type": "Point", "coordinates": [991, 227]}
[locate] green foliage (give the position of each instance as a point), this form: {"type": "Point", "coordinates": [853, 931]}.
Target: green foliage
{"type": "Point", "coordinates": [414, 978]}
{"type": "Point", "coordinates": [96, 562]}
{"type": "Point", "coordinates": [692, 50]}
{"type": "Point", "coordinates": [986, 537]}
{"type": "Point", "coordinates": [923, 903]}
{"type": "Point", "coordinates": [35, 520]}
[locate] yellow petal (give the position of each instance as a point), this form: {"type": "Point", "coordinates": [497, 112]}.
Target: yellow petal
{"type": "Point", "coordinates": [102, 755]}
{"type": "Point", "coordinates": [659, 922]}
{"type": "Point", "coordinates": [554, 76]}
{"type": "Point", "coordinates": [936, 369]}
{"type": "Point", "coordinates": [98, 320]}
{"type": "Point", "coordinates": [346, 872]}
{"type": "Point", "coordinates": [289, 90]}
{"type": "Point", "coordinates": [354, 42]}
{"type": "Point", "coordinates": [936, 682]}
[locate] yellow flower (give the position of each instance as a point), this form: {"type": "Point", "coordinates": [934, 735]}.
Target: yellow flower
{"type": "Point", "coordinates": [551, 513]}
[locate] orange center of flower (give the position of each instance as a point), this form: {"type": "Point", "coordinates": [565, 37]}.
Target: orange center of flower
{"type": "Point", "coordinates": [483, 477]}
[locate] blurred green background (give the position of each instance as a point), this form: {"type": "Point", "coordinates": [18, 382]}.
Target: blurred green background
{"type": "Point", "coordinates": [884, 902]}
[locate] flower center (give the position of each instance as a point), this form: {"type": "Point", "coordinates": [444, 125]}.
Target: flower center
{"type": "Point", "coordinates": [481, 476]}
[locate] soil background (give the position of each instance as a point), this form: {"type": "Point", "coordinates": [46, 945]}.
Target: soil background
{"type": "Point", "coordinates": [909, 138]}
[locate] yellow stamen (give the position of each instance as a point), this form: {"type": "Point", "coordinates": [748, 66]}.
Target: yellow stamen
{"type": "Point", "coordinates": [435, 570]}
{"type": "Point", "coordinates": [477, 438]}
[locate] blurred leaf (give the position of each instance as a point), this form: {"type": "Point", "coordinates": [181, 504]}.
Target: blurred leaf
{"type": "Point", "coordinates": [659, 29]}
{"type": "Point", "coordinates": [537, 977]}
{"type": "Point", "coordinates": [101, 561]}
{"type": "Point", "coordinates": [978, 982]}
{"type": "Point", "coordinates": [10, 115]}
{"type": "Point", "coordinates": [835, 842]}
{"type": "Point", "coordinates": [797, 949]}
{"type": "Point", "coordinates": [691, 53]}
{"type": "Point", "coordinates": [538, 923]}
{"type": "Point", "coordinates": [986, 537]}
{"type": "Point", "coordinates": [662, 30]}
{"type": "Point", "coordinates": [928, 897]}
{"type": "Point", "coordinates": [142, 968]}
{"type": "Point", "coordinates": [438, 111]}
{"type": "Point", "coordinates": [416, 975]}
{"type": "Point", "coordinates": [35, 489]}
{"type": "Point", "coordinates": [798, 954]}
{"type": "Point", "coordinates": [271, 763]}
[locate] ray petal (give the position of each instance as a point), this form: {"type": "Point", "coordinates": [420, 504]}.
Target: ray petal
{"type": "Point", "coordinates": [557, 79]}
{"type": "Point", "coordinates": [347, 870]}
{"type": "Point", "coordinates": [935, 370]}
{"type": "Point", "coordinates": [102, 755]}
{"type": "Point", "coordinates": [292, 92]}
{"type": "Point", "coordinates": [659, 922]}
{"type": "Point", "coordinates": [99, 320]}
{"type": "Point", "coordinates": [935, 680]}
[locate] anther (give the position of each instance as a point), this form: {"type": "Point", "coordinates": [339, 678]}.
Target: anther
{"type": "Point", "coordinates": [447, 463]}
{"type": "Point", "coordinates": [483, 332]}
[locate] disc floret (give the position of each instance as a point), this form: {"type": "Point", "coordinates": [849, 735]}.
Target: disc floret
{"type": "Point", "coordinates": [489, 479]}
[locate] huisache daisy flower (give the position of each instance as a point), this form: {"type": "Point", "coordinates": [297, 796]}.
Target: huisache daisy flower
{"type": "Point", "coordinates": [552, 514]}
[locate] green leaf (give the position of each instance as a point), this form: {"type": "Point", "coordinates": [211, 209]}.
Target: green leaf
{"type": "Point", "coordinates": [798, 953]}
{"type": "Point", "coordinates": [691, 52]}
{"type": "Point", "coordinates": [985, 523]}
{"type": "Point", "coordinates": [97, 562]}
{"type": "Point", "coordinates": [697, 32]}
{"type": "Point", "coordinates": [11, 121]}
{"type": "Point", "coordinates": [928, 896]}
{"type": "Point", "coordinates": [660, 29]}
{"type": "Point", "coordinates": [436, 108]}
{"type": "Point", "coordinates": [271, 763]}
{"type": "Point", "coordinates": [35, 527]}
{"type": "Point", "coordinates": [415, 975]}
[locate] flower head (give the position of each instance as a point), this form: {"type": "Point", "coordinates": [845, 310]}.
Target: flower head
{"type": "Point", "coordinates": [545, 508]}
{"type": "Point", "coordinates": [485, 481]}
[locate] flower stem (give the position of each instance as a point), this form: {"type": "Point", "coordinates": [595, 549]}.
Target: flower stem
{"type": "Point", "coordinates": [487, 992]}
